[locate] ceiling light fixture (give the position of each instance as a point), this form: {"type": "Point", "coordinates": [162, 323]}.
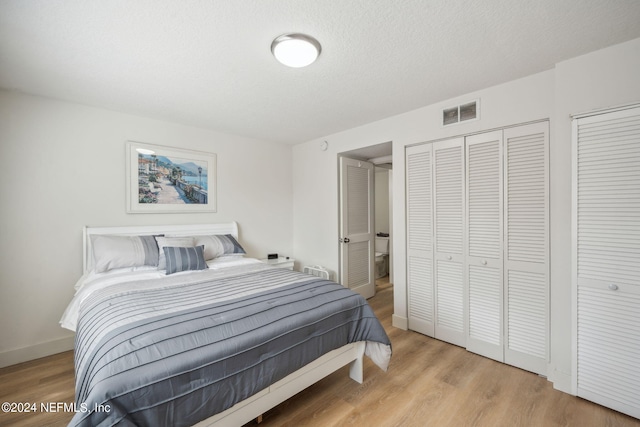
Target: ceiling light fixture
{"type": "Point", "coordinates": [296, 50]}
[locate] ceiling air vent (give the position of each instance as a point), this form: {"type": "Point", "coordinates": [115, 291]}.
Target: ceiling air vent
{"type": "Point", "coordinates": [461, 113]}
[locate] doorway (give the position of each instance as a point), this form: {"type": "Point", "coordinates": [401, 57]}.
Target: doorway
{"type": "Point", "coordinates": [380, 254]}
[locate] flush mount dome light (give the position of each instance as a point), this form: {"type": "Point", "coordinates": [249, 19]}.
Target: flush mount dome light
{"type": "Point", "coordinates": [295, 50]}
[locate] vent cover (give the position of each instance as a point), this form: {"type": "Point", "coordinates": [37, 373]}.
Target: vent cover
{"type": "Point", "coordinates": [460, 113]}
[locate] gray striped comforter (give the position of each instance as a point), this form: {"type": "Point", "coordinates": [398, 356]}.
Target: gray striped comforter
{"type": "Point", "coordinates": [181, 349]}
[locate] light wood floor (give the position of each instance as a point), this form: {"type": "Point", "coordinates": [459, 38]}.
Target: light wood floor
{"type": "Point", "coordinates": [429, 382]}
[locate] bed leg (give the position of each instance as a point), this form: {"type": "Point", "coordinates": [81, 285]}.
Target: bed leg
{"type": "Point", "coordinates": [259, 419]}
{"type": "Point", "coordinates": [356, 369]}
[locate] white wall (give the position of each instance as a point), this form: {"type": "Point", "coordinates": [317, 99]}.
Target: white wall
{"type": "Point", "coordinates": [604, 78]}
{"type": "Point", "coordinates": [62, 166]}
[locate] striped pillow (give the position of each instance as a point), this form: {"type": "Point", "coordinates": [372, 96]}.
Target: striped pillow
{"type": "Point", "coordinates": [182, 242]}
{"type": "Point", "coordinates": [184, 259]}
{"type": "Point", "coordinates": [219, 245]}
{"type": "Point", "coordinates": [111, 252]}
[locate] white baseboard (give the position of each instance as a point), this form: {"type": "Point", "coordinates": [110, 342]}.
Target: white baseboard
{"type": "Point", "coordinates": [400, 322]}
{"type": "Point", "coordinates": [561, 381]}
{"type": "Point", "coordinates": [24, 354]}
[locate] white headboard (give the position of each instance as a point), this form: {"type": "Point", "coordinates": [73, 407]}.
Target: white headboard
{"type": "Point", "coordinates": [142, 230]}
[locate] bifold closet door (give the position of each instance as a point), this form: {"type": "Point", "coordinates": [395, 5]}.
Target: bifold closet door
{"type": "Point", "coordinates": [607, 258]}
{"type": "Point", "coordinates": [484, 236]}
{"type": "Point", "coordinates": [420, 238]}
{"type": "Point", "coordinates": [448, 201]}
{"type": "Point", "coordinates": [526, 239]}
{"type": "Point", "coordinates": [477, 243]}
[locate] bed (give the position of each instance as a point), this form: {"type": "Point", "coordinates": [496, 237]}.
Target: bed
{"type": "Point", "coordinates": [176, 326]}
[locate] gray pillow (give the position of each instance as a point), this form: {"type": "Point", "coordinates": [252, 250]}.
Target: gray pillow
{"type": "Point", "coordinates": [182, 242]}
{"type": "Point", "coordinates": [219, 245]}
{"type": "Point", "coordinates": [184, 259]}
{"type": "Point", "coordinates": [111, 252]}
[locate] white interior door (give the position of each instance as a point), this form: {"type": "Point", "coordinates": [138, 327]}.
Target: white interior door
{"type": "Point", "coordinates": [526, 246]}
{"type": "Point", "coordinates": [419, 197]}
{"type": "Point", "coordinates": [448, 201]}
{"type": "Point", "coordinates": [357, 254]}
{"type": "Point", "coordinates": [606, 253]}
{"type": "Point", "coordinates": [484, 237]}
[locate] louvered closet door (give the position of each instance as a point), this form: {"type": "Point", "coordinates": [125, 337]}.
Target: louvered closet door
{"type": "Point", "coordinates": [483, 263]}
{"type": "Point", "coordinates": [449, 239]}
{"type": "Point", "coordinates": [526, 264]}
{"type": "Point", "coordinates": [607, 245]}
{"type": "Point", "coordinates": [420, 239]}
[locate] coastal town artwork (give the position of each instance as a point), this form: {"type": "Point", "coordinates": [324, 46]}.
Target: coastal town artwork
{"type": "Point", "coordinates": [170, 179]}
{"type": "Point", "coordinates": [164, 179]}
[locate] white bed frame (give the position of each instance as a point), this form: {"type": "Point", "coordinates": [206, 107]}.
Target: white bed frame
{"type": "Point", "coordinates": [258, 404]}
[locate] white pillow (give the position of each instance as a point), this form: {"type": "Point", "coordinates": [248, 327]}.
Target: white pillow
{"type": "Point", "coordinates": [110, 252]}
{"type": "Point", "coordinates": [179, 242]}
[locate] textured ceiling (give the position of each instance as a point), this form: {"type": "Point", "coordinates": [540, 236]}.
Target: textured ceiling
{"type": "Point", "coordinates": [208, 62]}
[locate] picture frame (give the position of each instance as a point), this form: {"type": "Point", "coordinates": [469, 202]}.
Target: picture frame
{"type": "Point", "coordinates": [162, 179]}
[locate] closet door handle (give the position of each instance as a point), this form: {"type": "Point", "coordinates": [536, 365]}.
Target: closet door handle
{"type": "Point", "coordinates": [449, 257]}
{"type": "Point", "coordinates": [613, 287]}
{"type": "Point", "coordinates": [484, 262]}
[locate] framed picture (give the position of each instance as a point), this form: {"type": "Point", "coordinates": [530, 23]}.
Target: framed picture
{"type": "Point", "coordinates": [164, 179]}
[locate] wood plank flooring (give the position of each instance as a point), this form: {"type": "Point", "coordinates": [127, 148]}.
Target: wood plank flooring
{"type": "Point", "coordinates": [429, 382]}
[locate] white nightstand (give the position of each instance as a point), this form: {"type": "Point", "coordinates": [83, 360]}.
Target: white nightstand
{"type": "Point", "coordinates": [281, 262]}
